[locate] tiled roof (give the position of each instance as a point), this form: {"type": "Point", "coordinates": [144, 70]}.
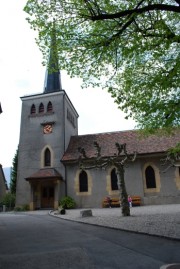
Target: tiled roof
{"type": "Point", "coordinates": [146, 145]}
{"type": "Point", "coordinates": [45, 173]}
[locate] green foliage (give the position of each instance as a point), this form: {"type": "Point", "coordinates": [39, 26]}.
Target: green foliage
{"type": "Point", "coordinates": [174, 153]}
{"type": "Point", "coordinates": [25, 207]}
{"type": "Point", "coordinates": [8, 200]}
{"type": "Point", "coordinates": [18, 208]}
{"type": "Point", "coordinates": [67, 202]}
{"type": "Point", "coordinates": [22, 208]}
{"type": "Point", "coordinates": [130, 48]}
{"type": "Point", "coordinates": [14, 173]}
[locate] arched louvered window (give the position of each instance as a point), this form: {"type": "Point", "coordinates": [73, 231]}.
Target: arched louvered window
{"type": "Point", "coordinates": [150, 177]}
{"type": "Point", "coordinates": [47, 157]}
{"type": "Point", "coordinates": [33, 109]}
{"type": "Point", "coordinates": [41, 108]}
{"type": "Point", "coordinates": [83, 182]}
{"type": "Point", "coordinates": [114, 185]}
{"type": "Point", "coordinates": [49, 107]}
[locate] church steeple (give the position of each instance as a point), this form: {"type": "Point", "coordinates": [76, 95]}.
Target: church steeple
{"type": "Point", "coordinates": [53, 75]}
{"type": "Point", "coordinates": [0, 109]}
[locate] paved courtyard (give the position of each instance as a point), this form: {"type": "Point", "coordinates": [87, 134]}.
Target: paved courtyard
{"type": "Point", "coordinates": [161, 220]}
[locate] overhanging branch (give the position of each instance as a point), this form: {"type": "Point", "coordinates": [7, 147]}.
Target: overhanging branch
{"type": "Point", "coordinates": [121, 14]}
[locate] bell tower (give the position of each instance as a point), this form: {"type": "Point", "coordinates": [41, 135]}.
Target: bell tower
{"type": "Point", "coordinates": [48, 120]}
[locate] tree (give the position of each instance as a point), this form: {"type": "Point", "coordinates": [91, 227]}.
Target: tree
{"type": "Point", "coordinates": [172, 158]}
{"type": "Point", "coordinates": [118, 160]}
{"type": "Point", "coordinates": [14, 173]}
{"type": "Point", "coordinates": [131, 48]}
{"type": "Point", "coordinates": [8, 200]}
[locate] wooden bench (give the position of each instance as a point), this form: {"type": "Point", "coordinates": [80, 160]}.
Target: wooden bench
{"type": "Point", "coordinates": [115, 201]}
{"type": "Point", "coordinates": [136, 200]}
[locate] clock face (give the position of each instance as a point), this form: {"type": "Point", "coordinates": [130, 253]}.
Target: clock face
{"type": "Point", "coordinates": [47, 129]}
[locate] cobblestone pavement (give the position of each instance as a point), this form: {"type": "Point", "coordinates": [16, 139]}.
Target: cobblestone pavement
{"type": "Point", "coordinates": [161, 220]}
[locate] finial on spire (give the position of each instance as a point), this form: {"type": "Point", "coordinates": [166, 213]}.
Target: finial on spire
{"type": "Point", "coordinates": [53, 75]}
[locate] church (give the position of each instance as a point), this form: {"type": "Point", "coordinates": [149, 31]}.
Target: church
{"type": "Point", "coordinates": [3, 183]}
{"type": "Point", "coordinates": [48, 158]}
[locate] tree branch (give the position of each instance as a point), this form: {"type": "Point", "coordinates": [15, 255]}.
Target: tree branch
{"type": "Point", "coordinates": [160, 7]}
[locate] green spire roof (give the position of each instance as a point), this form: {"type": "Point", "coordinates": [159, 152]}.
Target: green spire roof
{"type": "Point", "coordinates": [53, 75]}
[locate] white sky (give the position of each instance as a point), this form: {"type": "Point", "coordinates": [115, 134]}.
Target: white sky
{"type": "Point", "coordinates": [21, 73]}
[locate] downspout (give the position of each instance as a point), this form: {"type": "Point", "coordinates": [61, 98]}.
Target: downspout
{"type": "Point", "coordinates": [65, 170]}
{"type": "Point", "coordinates": [65, 181]}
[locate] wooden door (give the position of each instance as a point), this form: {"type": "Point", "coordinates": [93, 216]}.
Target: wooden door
{"type": "Point", "coordinates": [47, 197]}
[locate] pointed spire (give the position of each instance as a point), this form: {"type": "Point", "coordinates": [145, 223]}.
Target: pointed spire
{"type": "Point", "coordinates": [0, 109]}
{"type": "Point", "coordinates": [53, 75]}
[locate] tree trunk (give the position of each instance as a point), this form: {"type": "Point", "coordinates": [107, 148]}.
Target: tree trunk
{"type": "Point", "coordinates": [122, 189]}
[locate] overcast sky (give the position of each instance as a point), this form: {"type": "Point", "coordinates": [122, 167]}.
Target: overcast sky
{"type": "Point", "coordinates": [21, 73]}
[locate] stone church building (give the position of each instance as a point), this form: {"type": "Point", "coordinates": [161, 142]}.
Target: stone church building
{"type": "Point", "coordinates": [3, 183]}
{"type": "Point", "coordinates": [48, 164]}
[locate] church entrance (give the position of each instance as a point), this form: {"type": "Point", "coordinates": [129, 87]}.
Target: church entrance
{"type": "Point", "coordinates": [47, 197]}
{"type": "Point", "coordinates": [45, 188]}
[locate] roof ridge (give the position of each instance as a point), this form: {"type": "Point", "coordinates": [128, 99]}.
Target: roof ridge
{"type": "Point", "coordinates": [113, 132]}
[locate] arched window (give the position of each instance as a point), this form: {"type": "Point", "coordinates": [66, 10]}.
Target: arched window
{"type": "Point", "coordinates": [83, 182]}
{"type": "Point", "coordinates": [33, 109]}
{"type": "Point", "coordinates": [41, 108]}
{"type": "Point", "coordinates": [49, 107]}
{"type": "Point", "coordinates": [150, 178]}
{"type": "Point", "coordinates": [114, 185]}
{"type": "Point", "coordinates": [47, 157]}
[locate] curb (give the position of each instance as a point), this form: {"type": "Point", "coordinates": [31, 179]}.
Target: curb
{"type": "Point", "coordinates": [51, 213]}
{"type": "Point", "coordinates": [171, 266]}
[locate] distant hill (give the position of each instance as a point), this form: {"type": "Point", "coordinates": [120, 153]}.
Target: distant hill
{"type": "Point", "coordinates": [7, 174]}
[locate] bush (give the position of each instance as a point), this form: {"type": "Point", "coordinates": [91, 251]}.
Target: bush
{"type": "Point", "coordinates": [18, 208]}
{"type": "Point", "coordinates": [25, 208]}
{"type": "Point", "coordinates": [67, 202]}
{"type": "Point", "coordinates": [22, 208]}
{"type": "Point", "coordinates": [8, 200]}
